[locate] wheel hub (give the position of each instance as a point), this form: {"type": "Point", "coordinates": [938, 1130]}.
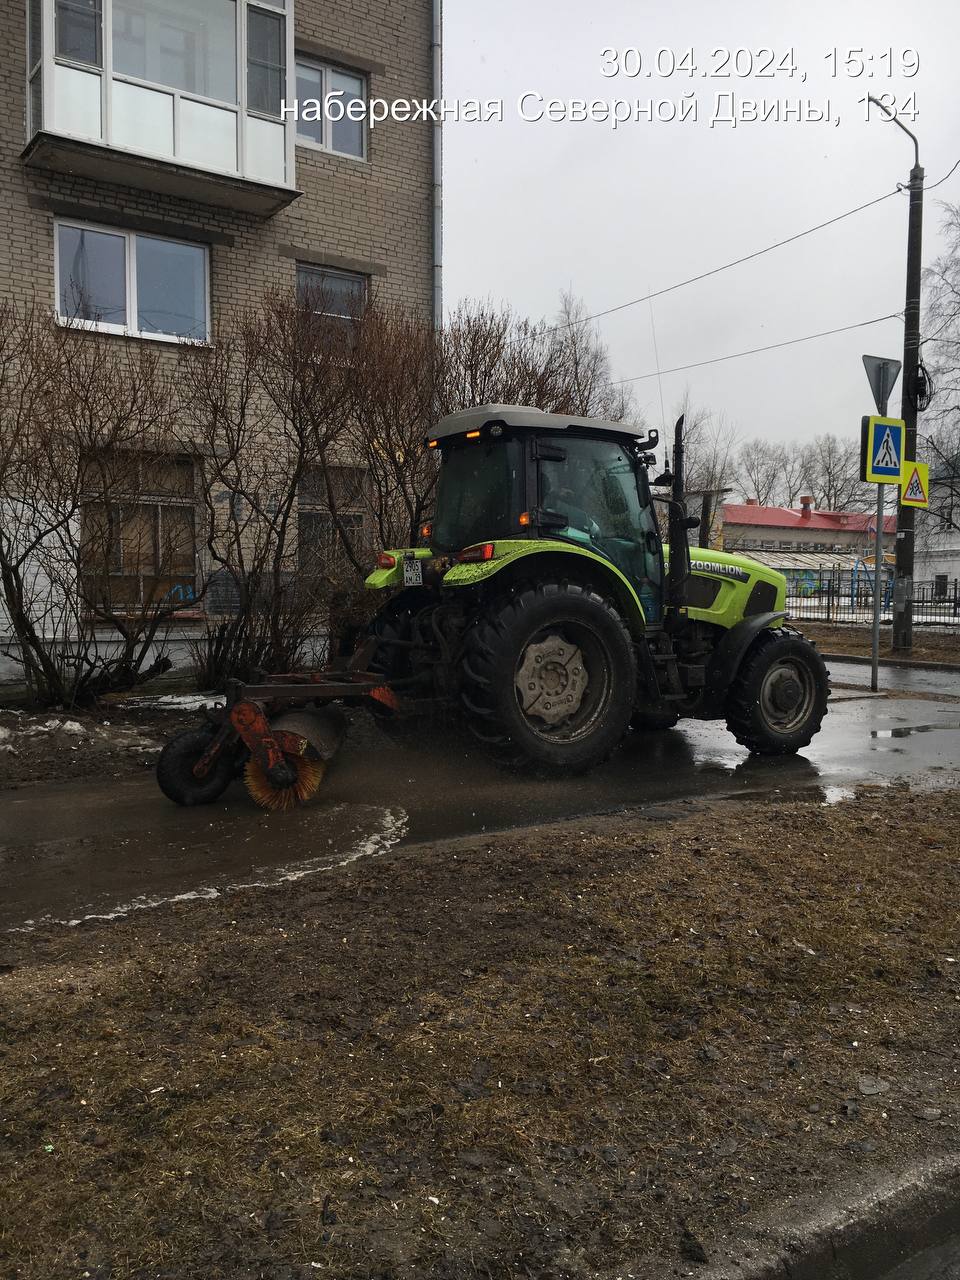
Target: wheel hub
{"type": "Point", "coordinates": [551, 679]}
{"type": "Point", "coordinates": [786, 695]}
{"type": "Point", "coordinates": [786, 692]}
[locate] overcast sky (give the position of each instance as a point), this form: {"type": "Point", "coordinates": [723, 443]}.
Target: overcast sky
{"type": "Point", "coordinates": [531, 209]}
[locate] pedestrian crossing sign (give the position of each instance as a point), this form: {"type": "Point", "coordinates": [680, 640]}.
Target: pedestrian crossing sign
{"type": "Point", "coordinates": [915, 488]}
{"type": "Point", "coordinates": [881, 450]}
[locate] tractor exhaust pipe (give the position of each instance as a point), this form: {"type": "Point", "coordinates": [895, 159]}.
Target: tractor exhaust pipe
{"type": "Point", "coordinates": [679, 523]}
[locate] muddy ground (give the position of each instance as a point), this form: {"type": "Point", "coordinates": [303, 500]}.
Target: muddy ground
{"type": "Point", "coordinates": [558, 1052]}
{"type": "Point", "coordinates": [928, 646]}
{"type": "Point", "coordinates": [113, 742]}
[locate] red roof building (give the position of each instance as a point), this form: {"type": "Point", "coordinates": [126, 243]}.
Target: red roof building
{"type": "Point", "coordinates": [749, 526]}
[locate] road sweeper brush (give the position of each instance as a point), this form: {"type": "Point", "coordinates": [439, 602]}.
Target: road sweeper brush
{"type": "Point", "coordinates": [279, 736]}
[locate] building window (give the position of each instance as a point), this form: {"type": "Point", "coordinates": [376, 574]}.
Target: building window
{"type": "Point", "coordinates": [196, 81]}
{"type": "Point", "coordinates": [124, 282]}
{"type": "Point", "coordinates": [139, 545]}
{"type": "Point", "coordinates": [266, 62]}
{"type": "Point", "coordinates": [179, 44]}
{"type": "Point", "coordinates": [339, 297]}
{"type": "Point", "coordinates": [940, 586]}
{"type": "Point", "coordinates": [315, 81]}
{"type": "Point", "coordinates": [318, 539]}
{"type": "Point", "coordinates": [79, 31]}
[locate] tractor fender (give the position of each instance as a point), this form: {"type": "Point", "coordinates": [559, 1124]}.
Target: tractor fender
{"type": "Point", "coordinates": [519, 559]}
{"type": "Point", "coordinates": [726, 659]}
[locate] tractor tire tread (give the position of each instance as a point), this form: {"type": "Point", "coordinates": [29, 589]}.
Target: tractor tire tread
{"type": "Point", "coordinates": [487, 636]}
{"type": "Point", "coordinates": [741, 702]}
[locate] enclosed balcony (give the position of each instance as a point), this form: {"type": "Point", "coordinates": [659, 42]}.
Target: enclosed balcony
{"type": "Point", "coordinates": [176, 97]}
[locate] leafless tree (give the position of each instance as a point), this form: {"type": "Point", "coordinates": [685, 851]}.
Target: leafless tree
{"type": "Point", "coordinates": [939, 428]}
{"type": "Point", "coordinates": [712, 450]}
{"type": "Point", "coordinates": [761, 465]}
{"type": "Point", "coordinates": [87, 574]}
{"type": "Point", "coordinates": [831, 471]}
{"type": "Point", "coordinates": [792, 476]}
{"type": "Point", "coordinates": [265, 411]}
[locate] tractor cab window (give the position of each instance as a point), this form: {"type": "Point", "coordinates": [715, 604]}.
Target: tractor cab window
{"type": "Point", "coordinates": [479, 493]}
{"type": "Point", "coordinates": [594, 488]}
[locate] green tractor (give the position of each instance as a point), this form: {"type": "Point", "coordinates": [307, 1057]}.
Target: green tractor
{"type": "Point", "coordinates": [548, 610]}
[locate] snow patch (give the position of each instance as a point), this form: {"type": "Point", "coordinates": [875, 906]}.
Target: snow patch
{"type": "Point", "coordinates": [180, 701]}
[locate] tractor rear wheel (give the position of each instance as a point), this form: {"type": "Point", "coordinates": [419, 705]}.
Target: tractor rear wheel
{"type": "Point", "coordinates": [549, 675]}
{"type": "Point", "coordinates": [393, 628]}
{"type": "Point", "coordinates": [778, 698]}
{"type": "Point", "coordinates": [175, 774]}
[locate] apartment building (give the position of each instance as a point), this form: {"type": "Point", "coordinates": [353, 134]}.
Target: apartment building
{"type": "Point", "coordinates": [148, 167]}
{"type": "Point", "coordinates": [155, 181]}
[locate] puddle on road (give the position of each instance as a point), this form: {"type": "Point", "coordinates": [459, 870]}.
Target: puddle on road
{"type": "Point", "coordinates": [392, 829]}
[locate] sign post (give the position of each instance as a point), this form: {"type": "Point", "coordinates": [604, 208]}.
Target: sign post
{"type": "Point", "coordinates": [882, 375]}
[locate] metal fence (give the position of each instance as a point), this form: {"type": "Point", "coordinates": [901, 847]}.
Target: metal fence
{"type": "Point", "coordinates": [846, 595]}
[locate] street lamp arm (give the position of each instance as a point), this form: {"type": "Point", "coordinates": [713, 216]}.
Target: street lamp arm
{"type": "Point", "coordinates": [892, 115]}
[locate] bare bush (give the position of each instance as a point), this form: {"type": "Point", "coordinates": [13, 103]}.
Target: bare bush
{"type": "Point", "coordinates": [87, 573]}
{"type": "Point", "coordinates": [265, 412]}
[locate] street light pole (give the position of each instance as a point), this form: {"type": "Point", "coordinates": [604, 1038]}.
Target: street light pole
{"type": "Point", "coordinates": [903, 580]}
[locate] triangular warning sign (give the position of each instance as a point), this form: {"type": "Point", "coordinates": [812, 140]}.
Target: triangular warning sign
{"type": "Point", "coordinates": [916, 486]}
{"type": "Point", "coordinates": [886, 456]}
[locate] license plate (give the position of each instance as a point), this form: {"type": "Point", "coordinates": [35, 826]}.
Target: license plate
{"type": "Point", "coordinates": [412, 573]}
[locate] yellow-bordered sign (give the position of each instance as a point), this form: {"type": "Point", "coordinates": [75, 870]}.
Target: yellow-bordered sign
{"type": "Point", "coordinates": [882, 450]}
{"type": "Point", "coordinates": [915, 486]}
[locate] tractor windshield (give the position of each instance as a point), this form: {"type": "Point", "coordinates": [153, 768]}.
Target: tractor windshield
{"type": "Point", "coordinates": [479, 493]}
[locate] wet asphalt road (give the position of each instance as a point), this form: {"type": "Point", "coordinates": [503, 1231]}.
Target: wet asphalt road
{"type": "Point", "coordinates": [897, 679]}
{"type": "Point", "coordinates": [84, 848]}
{"type": "Point", "coordinates": [940, 1263]}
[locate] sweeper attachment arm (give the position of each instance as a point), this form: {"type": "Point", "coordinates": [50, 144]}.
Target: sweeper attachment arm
{"type": "Point", "coordinates": [279, 735]}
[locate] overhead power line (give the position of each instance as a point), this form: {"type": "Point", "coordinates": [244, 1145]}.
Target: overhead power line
{"type": "Point", "coordinates": [931, 186]}
{"type": "Point", "coordinates": [774, 346]}
{"type": "Point", "coordinates": [705, 275]}
{"type": "Point", "coordinates": [749, 257]}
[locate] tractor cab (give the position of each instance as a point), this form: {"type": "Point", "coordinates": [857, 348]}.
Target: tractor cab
{"type": "Point", "coordinates": [511, 474]}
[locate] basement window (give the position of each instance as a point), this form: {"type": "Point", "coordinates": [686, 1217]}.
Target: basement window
{"type": "Point", "coordinates": [126, 283]}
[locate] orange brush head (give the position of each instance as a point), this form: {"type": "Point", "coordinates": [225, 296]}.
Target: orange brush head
{"type": "Point", "coordinates": [309, 776]}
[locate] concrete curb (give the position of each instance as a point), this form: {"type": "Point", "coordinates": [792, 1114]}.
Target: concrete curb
{"type": "Point", "coordinates": [909, 664]}
{"type": "Point", "coordinates": [860, 1236]}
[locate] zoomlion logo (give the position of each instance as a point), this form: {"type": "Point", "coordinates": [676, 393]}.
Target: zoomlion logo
{"type": "Point", "coordinates": [721, 570]}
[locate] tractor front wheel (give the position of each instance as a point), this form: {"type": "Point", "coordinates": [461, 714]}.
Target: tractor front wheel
{"type": "Point", "coordinates": [549, 675]}
{"type": "Point", "coordinates": [175, 769]}
{"type": "Point", "coordinates": [778, 698]}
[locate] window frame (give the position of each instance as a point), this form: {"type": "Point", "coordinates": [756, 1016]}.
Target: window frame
{"type": "Point", "coordinates": [320, 270]}
{"type": "Point", "coordinates": [325, 68]}
{"type": "Point", "coordinates": [156, 502]}
{"type": "Point", "coordinates": [315, 506]}
{"type": "Point", "coordinates": [129, 330]}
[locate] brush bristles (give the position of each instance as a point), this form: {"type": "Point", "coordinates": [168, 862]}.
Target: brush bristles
{"type": "Point", "coordinates": [267, 796]}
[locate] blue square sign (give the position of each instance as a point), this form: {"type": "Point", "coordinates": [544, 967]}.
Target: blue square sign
{"type": "Point", "coordinates": [882, 450]}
